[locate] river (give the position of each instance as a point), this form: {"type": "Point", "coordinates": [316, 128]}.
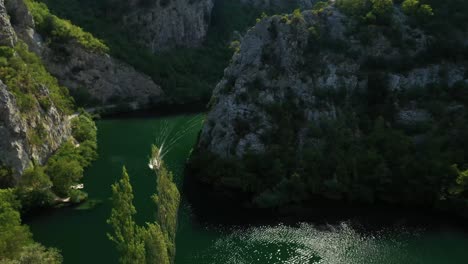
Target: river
{"type": "Point", "coordinates": [80, 232]}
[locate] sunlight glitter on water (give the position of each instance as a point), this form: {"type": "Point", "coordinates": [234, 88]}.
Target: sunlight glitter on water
{"type": "Point", "coordinates": [307, 244]}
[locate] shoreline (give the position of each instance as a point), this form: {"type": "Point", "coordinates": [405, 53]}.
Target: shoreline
{"type": "Point", "coordinates": [211, 208]}
{"type": "Point", "coordinates": [129, 111]}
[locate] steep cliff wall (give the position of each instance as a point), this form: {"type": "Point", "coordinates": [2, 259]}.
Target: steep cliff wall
{"type": "Point", "coordinates": [86, 71]}
{"type": "Point", "coordinates": [17, 143]}
{"type": "Point", "coordinates": [161, 25]}
{"type": "Point", "coordinates": [320, 103]}
{"type": "Point", "coordinates": [280, 4]}
{"type": "Point", "coordinates": [7, 34]}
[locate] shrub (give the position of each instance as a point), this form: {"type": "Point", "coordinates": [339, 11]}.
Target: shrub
{"type": "Point", "coordinates": [62, 31]}
{"type": "Point", "coordinates": [26, 77]}
{"type": "Point", "coordinates": [415, 8]}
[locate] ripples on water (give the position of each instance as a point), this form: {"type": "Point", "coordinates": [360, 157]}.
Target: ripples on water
{"type": "Point", "coordinates": [308, 244]}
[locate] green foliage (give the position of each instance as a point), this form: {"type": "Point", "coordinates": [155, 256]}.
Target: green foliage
{"type": "Point", "coordinates": [370, 11]}
{"type": "Point", "coordinates": [187, 75]}
{"type": "Point", "coordinates": [66, 166]}
{"type": "Point", "coordinates": [39, 185]}
{"type": "Point", "coordinates": [26, 77]}
{"type": "Point", "coordinates": [34, 189]}
{"type": "Point", "coordinates": [297, 17]}
{"type": "Point", "coordinates": [36, 253]}
{"type": "Point", "coordinates": [415, 8]}
{"type": "Point", "coordinates": [62, 31]}
{"type": "Point", "coordinates": [6, 177]}
{"type": "Point", "coordinates": [167, 199]}
{"type": "Point", "coordinates": [154, 243]}
{"type": "Point", "coordinates": [460, 187]}
{"type": "Point", "coordinates": [125, 234]}
{"type": "Point", "coordinates": [64, 173]}
{"type": "Point", "coordinates": [320, 6]}
{"type": "Point", "coordinates": [16, 244]}
{"type": "Point", "coordinates": [353, 7]}
{"type": "Point", "coordinates": [84, 129]}
{"type": "Point", "coordinates": [13, 235]}
{"type": "Point", "coordinates": [362, 156]}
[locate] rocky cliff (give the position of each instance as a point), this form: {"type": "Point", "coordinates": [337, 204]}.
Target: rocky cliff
{"type": "Point", "coordinates": [7, 34]}
{"type": "Point", "coordinates": [104, 79]}
{"type": "Point", "coordinates": [160, 25]}
{"type": "Point", "coordinates": [280, 4]}
{"type": "Point", "coordinates": [26, 137]}
{"type": "Point", "coordinates": [307, 94]}
{"type": "Point", "coordinates": [86, 72]}
{"type": "Point", "coordinates": [18, 149]}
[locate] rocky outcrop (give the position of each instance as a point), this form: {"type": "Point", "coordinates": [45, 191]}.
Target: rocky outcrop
{"type": "Point", "coordinates": [160, 25]}
{"type": "Point", "coordinates": [7, 34]}
{"type": "Point", "coordinates": [319, 106]}
{"type": "Point", "coordinates": [105, 80]}
{"type": "Point", "coordinates": [280, 4]}
{"type": "Point", "coordinates": [18, 150]}
{"type": "Point", "coordinates": [298, 61]}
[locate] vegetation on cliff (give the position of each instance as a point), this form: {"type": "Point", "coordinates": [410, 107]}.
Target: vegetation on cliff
{"type": "Point", "coordinates": [359, 151]}
{"type": "Point", "coordinates": [36, 91]}
{"type": "Point", "coordinates": [155, 242]}
{"type": "Point", "coordinates": [16, 244]}
{"type": "Point", "coordinates": [187, 75]}
{"type": "Point", "coordinates": [24, 74]}
{"type": "Point", "coordinates": [59, 31]}
{"type": "Point", "coordinates": [40, 185]}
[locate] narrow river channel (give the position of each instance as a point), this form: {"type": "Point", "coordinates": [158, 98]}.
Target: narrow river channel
{"type": "Point", "coordinates": [80, 232]}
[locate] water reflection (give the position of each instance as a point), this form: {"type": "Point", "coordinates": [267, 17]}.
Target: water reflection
{"type": "Point", "coordinates": [325, 245]}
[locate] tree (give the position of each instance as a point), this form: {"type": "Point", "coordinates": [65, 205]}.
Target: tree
{"type": "Point", "coordinates": [64, 173]}
{"type": "Point", "coordinates": [84, 128]}
{"type": "Point", "coordinates": [382, 8]}
{"type": "Point", "coordinates": [6, 177]}
{"type": "Point", "coordinates": [13, 235]}
{"type": "Point", "coordinates": [34, 189]}
{"type": "Point", "coordinates": [155, 245]}
{"type": "Point", "coordinates": [126, 235]}
{"type": "Point", "coordinates": [38, 254]}
{"type": "Point", "coordinates": [415, 8]}
{"type": "Point", "coordinates": [353, 7]}
{"type": "Point", "coordinates": [461, 182]}
{"type": "Point", "coordinates": [167, 201]}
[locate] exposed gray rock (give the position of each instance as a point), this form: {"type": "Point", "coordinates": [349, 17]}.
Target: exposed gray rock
{"type": "Point", "coordinates": [168, 24]}
{"type": "Point", "coordinates": [281, 4]}
{"type": "Point", "coordinates": [104, 78]}
{"type": "Point", "coordinates": [307, 62]}
{"type": "Point", "coordinates": [7, 34]}
{"type": "Point", "coordinates": [17, 150]}
{"type": "Point", "coordinates": [23, 23]}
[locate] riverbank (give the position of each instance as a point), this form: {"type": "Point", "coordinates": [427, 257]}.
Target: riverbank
{"type": "Point", "coordinates": [133, 110]}
{"type": "Point", "coordinates": [202, 237]}
{"type": "Point", "coordinates": [215, 208]}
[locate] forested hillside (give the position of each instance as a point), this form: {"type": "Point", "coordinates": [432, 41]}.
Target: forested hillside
{"type": "Point", "coordinates": [359, 101]}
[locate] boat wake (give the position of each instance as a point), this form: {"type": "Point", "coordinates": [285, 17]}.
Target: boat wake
{"type": "Point", "coordinates": [167, 138]}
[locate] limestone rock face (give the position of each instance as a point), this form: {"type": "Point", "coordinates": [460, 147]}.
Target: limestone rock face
{"type": "Point", "coordinates": [7, 34]}
{"type": "Point", "coordinates": [313, 64]}
{"type": "Point", "coordinates": [105, 79]}
{"type": "Point", "coordinates": [281, 4]}
{"type": "Point", "coordinates": [17, 150]}
{"type": "Point", "coordinates": [160, 25]}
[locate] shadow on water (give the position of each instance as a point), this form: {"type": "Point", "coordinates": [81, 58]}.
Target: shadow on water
{"type": "Point", "coordinates": [215, 232]}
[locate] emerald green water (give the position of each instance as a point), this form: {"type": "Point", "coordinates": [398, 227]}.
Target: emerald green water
{"type": "Point", "coordinates": [80, 233]}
